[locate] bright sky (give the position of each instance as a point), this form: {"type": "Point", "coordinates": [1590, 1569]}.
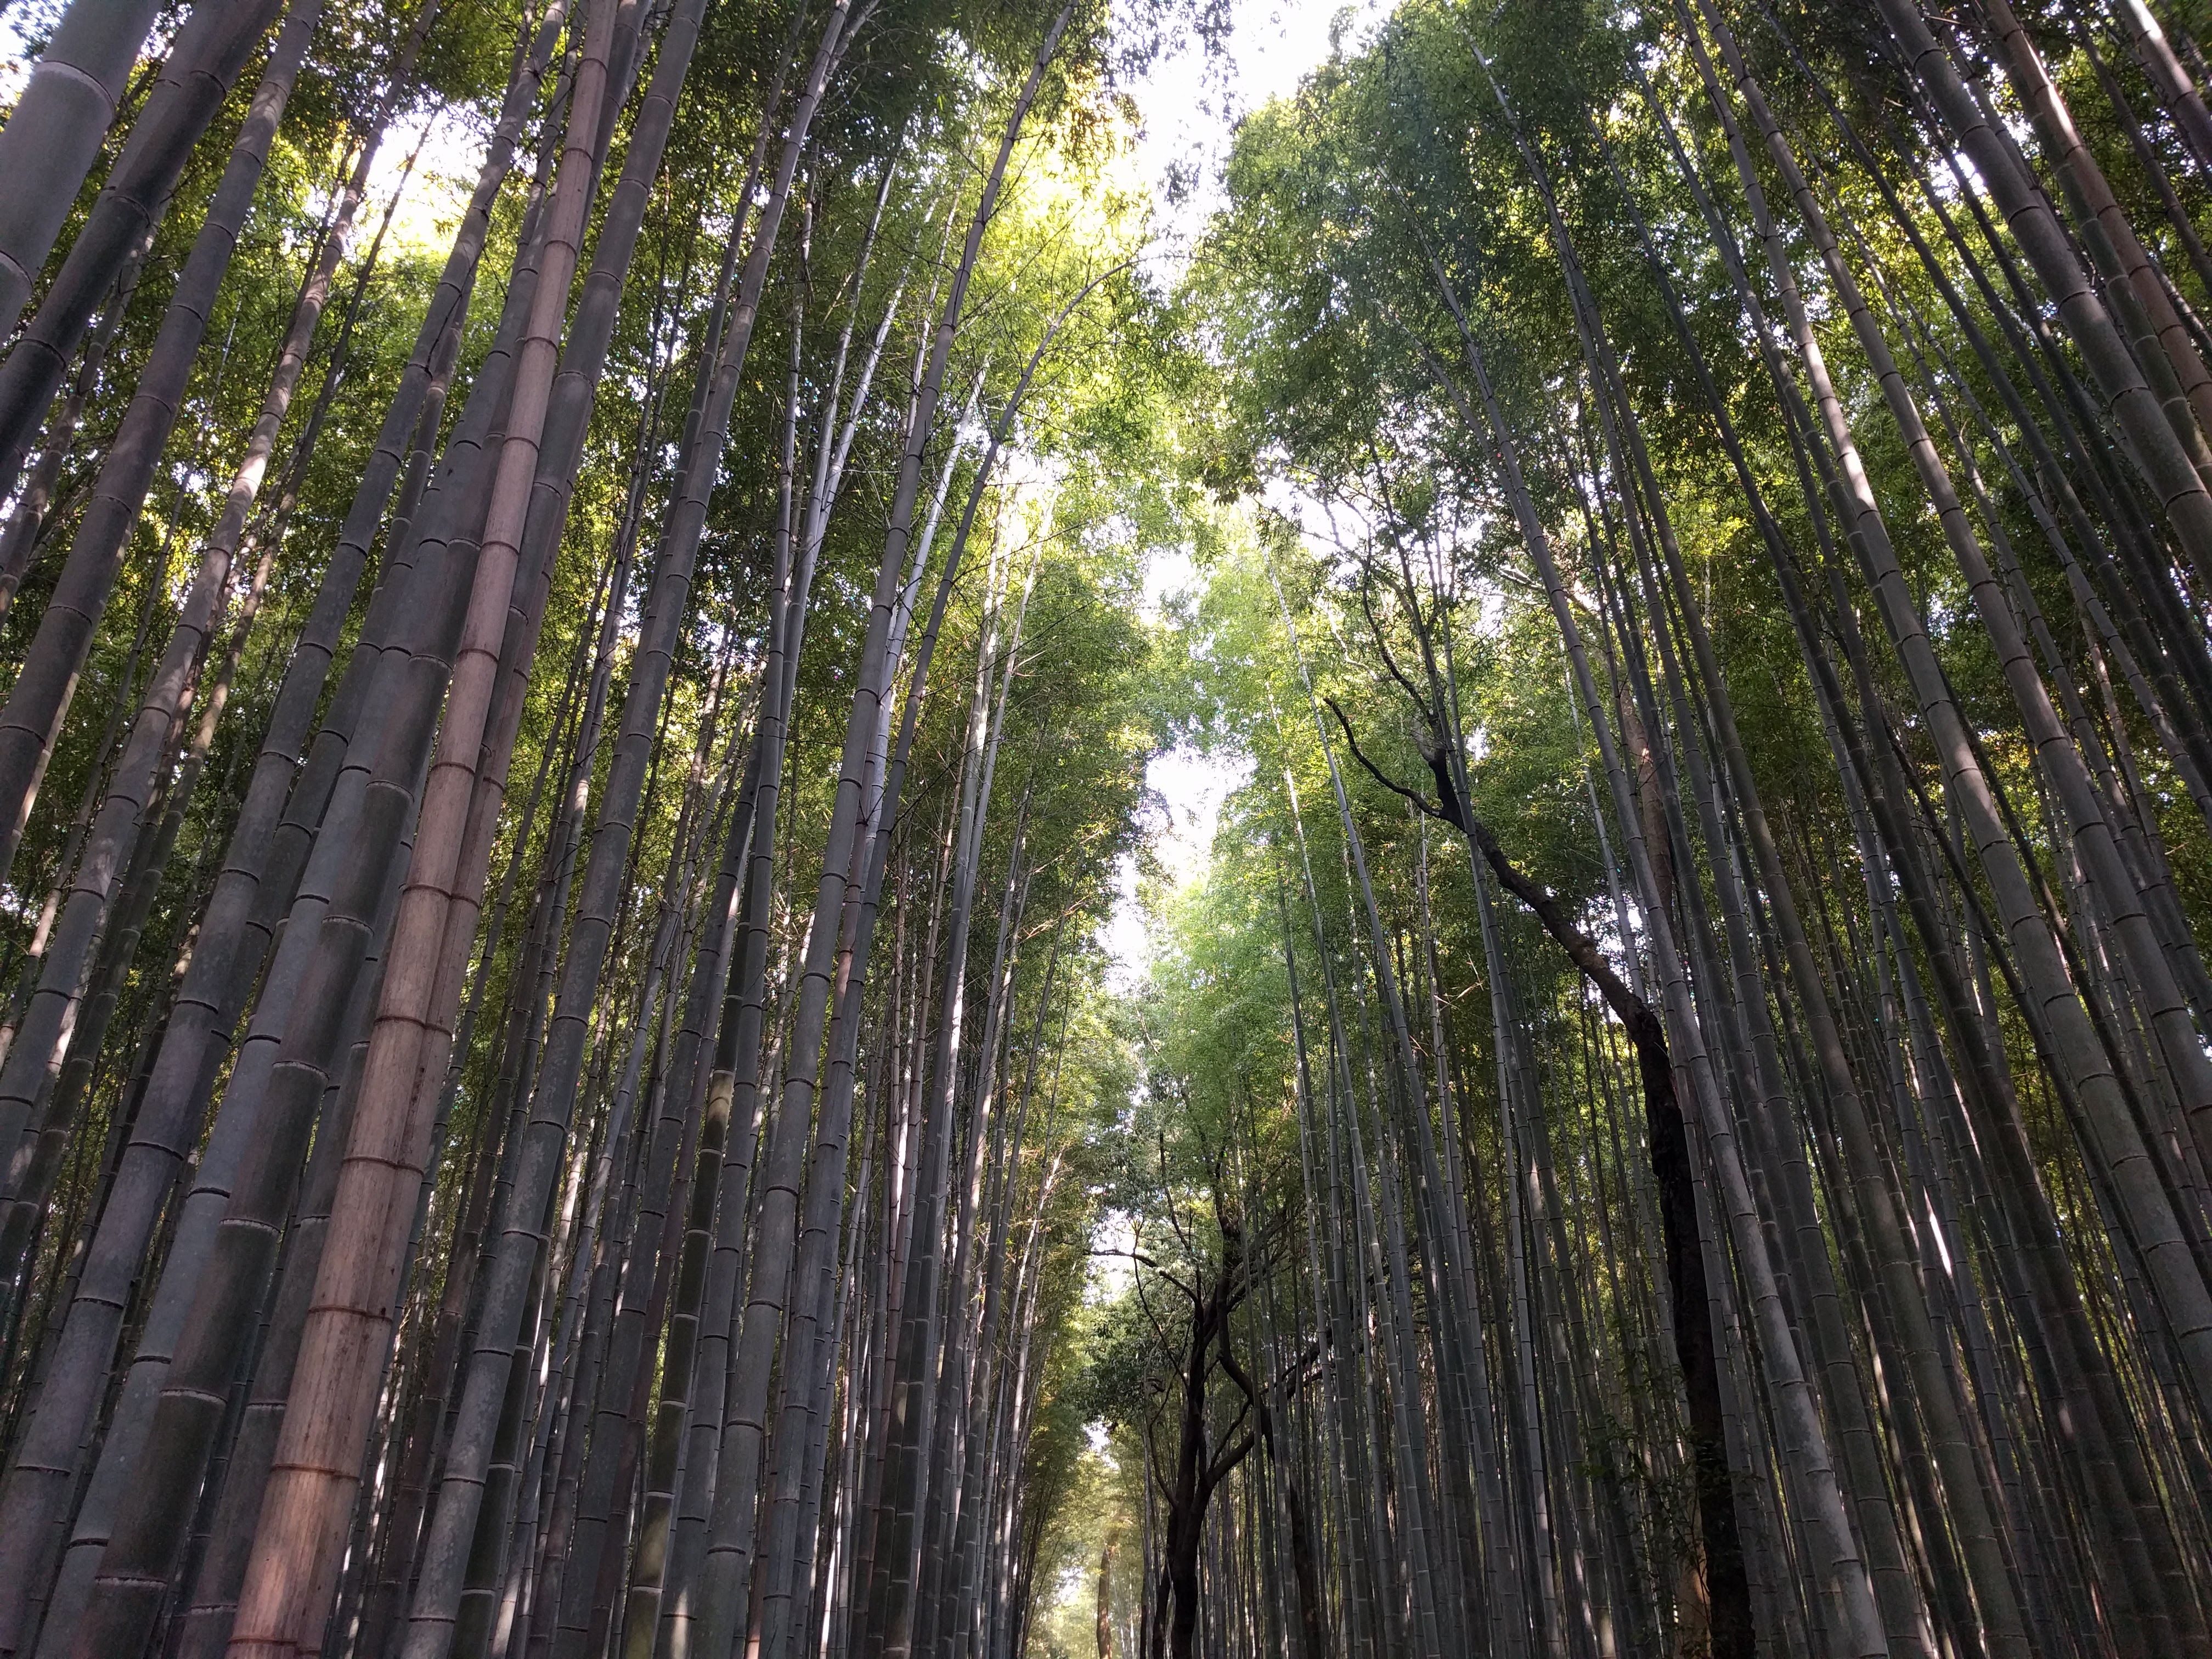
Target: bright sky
{"type": "Point", "coordinates": [1190, 107]}
{"type": "Point", "coordinates": [448, 152]}
{"type": "Point", "coordinates": [1192, 784]}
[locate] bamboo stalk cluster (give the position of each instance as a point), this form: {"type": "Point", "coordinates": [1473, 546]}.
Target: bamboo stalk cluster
{"type": "Point", "coordinates": [443, 1218]}
{"type": "Point", "coordinates": [1730, 1180]}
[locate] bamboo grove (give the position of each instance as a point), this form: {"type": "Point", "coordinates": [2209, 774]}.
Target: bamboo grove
{"type": "Point", "coordinates": [578, 677]}
{"type": "Point", "coordinates": [1676, 1120]}
{"type": "Point", "coordinates": [440, 1095]}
